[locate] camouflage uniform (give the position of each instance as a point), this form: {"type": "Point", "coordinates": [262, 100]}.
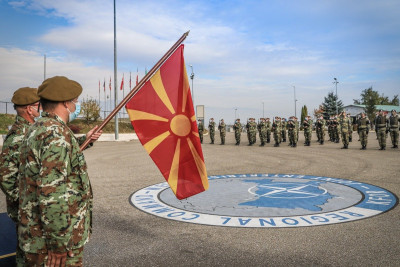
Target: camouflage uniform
{"type": "Point", "coordinates": [211, 128]}
{"type": "Point", "coordinates": [350, 128]}
{"type": "Point", "coordinates": [262, 129]}
{"type": "Point", "coordinates": [381, 128]}
{"type": "Point", "coordinates": [9, 163]}
{"type": "Point", "coordinates": [344, 126]}
{"type": "Point", "coordinates": [363, 129]}
{"type": "Point", "coordinates": [200, 127]}
{"type": "Point", "coordinates": [292, 132]}
{"type": "Point", "coordinates": [336, 130]}
{"type": "Point", "coordinates": [268, 125]}
{"type": "Point", "coordinates": [320, 130]}
{"type": "Point", "coordinates": [307, 126]}
{"type": "Point", "coordinates": [251, 127]}
{"type": "Point", "coordinates": [276, 128]}
{"type": "Point", "coordinates": [283, 129]}
{"type": "Point", "coordinates": [238, 130]}
{"type": "Point", "coordinates": [394, 129]}
{"type": "Point", "coordinates": [222, 131]}
{"type": "Point", "coordinates": [55, 206]}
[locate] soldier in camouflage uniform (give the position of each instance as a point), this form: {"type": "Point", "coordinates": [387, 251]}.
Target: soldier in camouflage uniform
{"type": "Point", "coordinates": [350, 127]}
{"type": "Point", "coordinates": [296, 123]}
{"type": "Point", "coordinates": [262, 129]}
{"type": "Point", "coordinates": [55, 195]}
{"type": "Point", "coordinates": [363, 129]}
{"type": "Point", "coordinates": [394, 129]}
{"type": "Point", "coordinates": [336, 129]}
{"type": "Point", "coordinates": [200, 127]}
{"type": "Point", "coordinates": [251, 127]}
{"type": "Point", "coordinates": [381, 127]}
{"type": "Point", "coordinates": [307, 126]}
{"type": "Point", "coordinates": [344, 126]}
{"type": "Point", "coordinates": [320, 129]}
{"type": "Point", "coordinates": [222, 131]}
{"type": "Point", "coordinates": [26, 104]}
{"type": "Point", "coordinates": [211, 130]}
{"type": "Point", "coordinates": [292, 132]}
{"type": "Point", "coordinates": [276, 129]}
{"type": "Point", "coordinates": [329, 123]}
{"type": "Point", "coordinates": [283, 129]}
{"type": "Point", "coordinates": [268, 125]}
{"type": "Point", "coordinates": [238, 130]}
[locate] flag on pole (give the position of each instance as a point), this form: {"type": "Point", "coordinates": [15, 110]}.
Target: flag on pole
{"type": "Point", "coordinates": [137, 78]}
{"type": "Point", "coordinates": [104, 85]}
{"type": "Point", "coordinates": [122, 82]}
{"type": "Point", "coordinates": [163, 117]}
{"type": "Point", "coordinates": [109, 85]}
{"type": "Point", "coordinates": [99, 86]}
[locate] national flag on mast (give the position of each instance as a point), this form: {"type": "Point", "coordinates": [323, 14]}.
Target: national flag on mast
{"type": "Point", "coordinates": [130, 81]}
{"type": "Point", "coordinates": [104, 85]}
{"type": "Point", "coordinates": [99, 86]}
{"type": "Point", "coordinates": [122, 82]}
{"type": "Point", "coordinates": [137, 76]}
{"type": "Point", "coordinates": [110, 83]}
{"type": "Point", "coordinates": [163, 117]}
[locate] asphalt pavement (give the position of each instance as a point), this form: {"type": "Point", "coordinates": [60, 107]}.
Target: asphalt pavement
{"type": "Point", "coordinates": [125, 236]}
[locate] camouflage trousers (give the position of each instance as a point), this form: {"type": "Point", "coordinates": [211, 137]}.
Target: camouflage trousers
{"type": "Point", "coordinates": [321, 135]}
{"type": "Point", "coordinates": [222, 135]}
{"type": "Point", "coordinates": [345, 138]}
{"type": "Point", "coordinates": [277, 137]}
{"type": "Point", "coordinates": [363, 137]}
{"type": "Point", "coordinates": [336, 134]}
{"type": "Point", "coordinates": [252, 137]}
{"type": "Point", "coordinates": [292, 137]}
{"type": "Point", "coordinates": [40, 259]}
{"type": "Point", "coordinates": [394, 135]}
{"type": "Point", "coordinates": [268, 135]}
{"type": "Point", "coordinates": [263, 137]}
{"type": "Point", "coordinates": [237, 137]}
{"type": "Point", "coordinates": [201, 136]}
{"type": "Point", "coordinates": [307, 136]}
{"type": "Point", "coordinates": [212, 136]}
{"type": "Point", "coordinates": [382, 137]}
{"type": "Point", "coordinates": [284, 135]}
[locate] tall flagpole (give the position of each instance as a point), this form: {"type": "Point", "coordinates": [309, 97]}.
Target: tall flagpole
{"type": "Point", "coordinates": [44, 70]}
{"type": "Point", "coordinates": [115, 74]}
{"type": "Point", "coordinates": [138, 86]}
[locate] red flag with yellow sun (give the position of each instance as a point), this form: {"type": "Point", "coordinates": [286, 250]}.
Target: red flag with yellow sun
{"type": "Point", "coordinates": [163, 117]}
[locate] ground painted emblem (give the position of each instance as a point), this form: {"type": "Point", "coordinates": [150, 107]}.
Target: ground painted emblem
{"type": "Point", "coordinates": [269, 200]}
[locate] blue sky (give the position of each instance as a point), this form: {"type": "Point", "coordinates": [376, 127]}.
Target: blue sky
{"type": "Point", "coordinates": [244, 53]}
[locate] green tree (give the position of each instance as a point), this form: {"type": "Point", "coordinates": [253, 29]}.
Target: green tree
{"type": "Point", "coordinates": [329, 105]}
{"type": "Point", "coordinates": [370, 98]}
{"type": "Point", "coordinates": [91, 110]}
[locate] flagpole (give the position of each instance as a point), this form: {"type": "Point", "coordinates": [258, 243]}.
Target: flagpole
{"type": "Point", "coordinates": [115, 74]}
{"type": "Point", "coordinates": [138, 86]}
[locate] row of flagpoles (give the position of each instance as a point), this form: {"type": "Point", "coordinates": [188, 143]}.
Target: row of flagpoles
{"type": "Point", "coordinates": [106, 108]}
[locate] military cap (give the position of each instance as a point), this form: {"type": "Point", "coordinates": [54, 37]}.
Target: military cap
{"type": "Point", "coordinates": [393, 110]}
{"type": "Point", "coordinates": [25, 96]}
{"type": "Point", "coordinates": [59, 88]}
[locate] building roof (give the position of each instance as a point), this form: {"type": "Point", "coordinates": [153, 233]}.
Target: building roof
{"type": "Point", "coordinates": [378, 107]}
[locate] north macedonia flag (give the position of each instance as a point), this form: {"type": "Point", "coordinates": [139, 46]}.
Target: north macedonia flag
{"type": "Point", "coordinates": [163, 117]}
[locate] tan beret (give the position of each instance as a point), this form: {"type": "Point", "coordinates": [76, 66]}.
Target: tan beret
{"type": "Point", "coordinates": [59, 88]}
{"type": "Point", "coordinates": [25, 96]}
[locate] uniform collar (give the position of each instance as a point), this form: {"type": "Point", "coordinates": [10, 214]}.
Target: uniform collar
{"type": "Point", "coordinates": [52, 116]}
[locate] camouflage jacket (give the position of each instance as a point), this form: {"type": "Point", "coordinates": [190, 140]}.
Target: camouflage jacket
{"type": "Point", "coordinates": [394, 121]}
{"type": "Point", "coordinates": [9, 163]}
{"type": "Point", "coordinates": [211, 127]}
{"type": "Point", "coordinates": [344, 123]}
{"type": "Point", "coordinates": [55, 204]}
{"type": "Point", "coordinates": [262, 127]}
{"type": "Point", "coordinates": [200, 127]}
{"type": "Point", "coordinates": [222, 128]}
{"type": "Point", "coordinates": [251, 127]}
{"type": "Point", "coordinates": [237, 127]}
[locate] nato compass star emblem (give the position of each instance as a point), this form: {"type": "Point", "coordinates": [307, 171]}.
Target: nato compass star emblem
{"type": "Point", "coordinates": [288, 190]}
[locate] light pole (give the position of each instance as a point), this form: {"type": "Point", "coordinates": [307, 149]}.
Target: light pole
{"type": "Point", "coordinates": [235, 113]}
{"type": "Point", "coordinates": [295, 100]}
{"type": "Point", "coordinates": [336, 82]}
{"type": "Point", "coordinates": [192, 77]}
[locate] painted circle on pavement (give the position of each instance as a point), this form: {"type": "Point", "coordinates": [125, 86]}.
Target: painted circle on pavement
{"type": "Point", "coordinates": [268, 200]}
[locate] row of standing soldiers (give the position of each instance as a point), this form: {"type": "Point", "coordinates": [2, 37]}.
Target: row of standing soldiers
{"type": "Point", "coordinates": [339, 127]}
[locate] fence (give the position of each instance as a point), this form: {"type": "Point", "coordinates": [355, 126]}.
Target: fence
{"type": "Point", "coordinates": [7, 107]}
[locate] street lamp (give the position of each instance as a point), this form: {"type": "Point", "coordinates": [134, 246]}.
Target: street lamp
{"type": "Point", "coordinates": [295, 100]}
{"type": "Point", "coordinates": [336, 82]}
{"type": "Point", "coordinates": [192, 77]}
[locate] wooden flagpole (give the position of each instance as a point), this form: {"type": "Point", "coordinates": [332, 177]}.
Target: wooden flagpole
{"type": "Point", "coordinates": [137, 87]}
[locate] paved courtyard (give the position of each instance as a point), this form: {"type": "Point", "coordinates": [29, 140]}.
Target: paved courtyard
{"type": "Point", "coordinates": [126, 236]}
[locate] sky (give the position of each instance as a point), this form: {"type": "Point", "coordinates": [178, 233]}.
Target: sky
{"type": "Point", "coordinates": [248, 57]}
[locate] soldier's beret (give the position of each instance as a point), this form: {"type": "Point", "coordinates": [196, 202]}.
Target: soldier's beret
{"type": "Point", "coordinates": [25, 96]}
{"type": "Point", "coordinates": [59, 88]}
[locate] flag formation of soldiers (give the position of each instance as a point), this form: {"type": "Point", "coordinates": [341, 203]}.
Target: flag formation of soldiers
{"type": "Point", "coordinates": [339, 127]}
